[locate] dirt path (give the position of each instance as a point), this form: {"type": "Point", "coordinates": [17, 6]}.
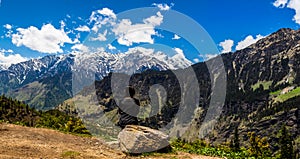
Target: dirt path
{"type": "Point", "coordinates": [23, 142]}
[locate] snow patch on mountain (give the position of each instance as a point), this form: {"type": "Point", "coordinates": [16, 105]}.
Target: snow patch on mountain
{"type": "Point", "coordinates": [96, 65]}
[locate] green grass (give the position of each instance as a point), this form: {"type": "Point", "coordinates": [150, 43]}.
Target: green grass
{"type": "Point", "coordinates": [276, 93]}
{"type": "Point", "coordinates": [289, 95]}
{"type": "Point", "coordinates": [200, 147]}
{"type": "Point", "coordinates": [70, 154]}
{"type": "Point", "coordinates": [266, 85]}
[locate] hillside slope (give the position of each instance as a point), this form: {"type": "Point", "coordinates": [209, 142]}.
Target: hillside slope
{"type": "Point", "coordinates": [24, 142]}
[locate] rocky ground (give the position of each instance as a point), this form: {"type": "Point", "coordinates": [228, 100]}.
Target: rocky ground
{"type": "Point", "coordinates": [24, 142]}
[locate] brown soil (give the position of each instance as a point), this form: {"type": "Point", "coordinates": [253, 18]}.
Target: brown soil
{"type": "Point", "coordinates": [24, 142]}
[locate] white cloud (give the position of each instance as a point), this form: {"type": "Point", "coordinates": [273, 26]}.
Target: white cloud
{"type": "Point", "coordinates": [46, 40]}
{"type": "Point", "coordinates": [163, 7]}
{"type": "Point", "coordinates": [95, 28]}
{"type": "Point", "coordinates": [7, 26]}
{"type": "Point", "coordinates": [9, 51]}
{"type": "Point", "coordinates": [128, 33]}
{"type": "Point", "coordinates": [110, 47]}
{"type": "Point", "coordinates": [76, 40]}
{"type": "Point", "coordinates": [176, 37]}
{"type": "Point", "coordinates": [9, 34]}
{"type": "Point", "coordinates": [124, 30]}
{"type": "Point", "coordinates": [94, 16]}
{"type": "Point", "coordinates": [9, 30]}
{"type": "Point", "coordinates": [83, 28]}
{"type": "Point", "coordinates": [62, 24]}
{"type": "Point", "coordinates": [10, 58]}
{"type": "Point", "coordinates": [154, 20]}
{"type": "Point", "coordinates": [102, 17]}
{"type": "Point", "coordinates": [101, 37]}
{"type": "Point", "coordinates": [226, 45]}
{"type": "Point", "coordinates": [280, 3]}
{"type": "Point", "coordinates": [107, 12]}
{"type": "Point", "coordinates": [295, 4]}
{"type": "Point", "coordinates": [249, 40]}
{"type": "Point", "coordinates": [292, 4]}
{"type": "Point", "coordinates": [80, 47]}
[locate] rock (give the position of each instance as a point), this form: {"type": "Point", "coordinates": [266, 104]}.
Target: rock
{"type": "Point", "coordinates": [114, 144]}
{"type": "Point", "coordinates": [138, 139]}
{"type": "Point", "coordinates": [290, 123]}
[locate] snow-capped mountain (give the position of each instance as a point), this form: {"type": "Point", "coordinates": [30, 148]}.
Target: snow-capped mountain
{"type": "Point", "coordinates": [2, 67]}
{"type": "Point", "coordinates": [99, 64]}
{"type": "Point", "coordinates": [135, 60]}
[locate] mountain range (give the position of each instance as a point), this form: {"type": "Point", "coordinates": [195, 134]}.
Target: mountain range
{"type": "Point", "coordinates": [262, 88]}
{"type": "Point", "coordinates": [52, 76]}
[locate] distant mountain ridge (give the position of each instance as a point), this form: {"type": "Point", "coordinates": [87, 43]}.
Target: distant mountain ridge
{"type": "Point", "coordinates": [15, 79]}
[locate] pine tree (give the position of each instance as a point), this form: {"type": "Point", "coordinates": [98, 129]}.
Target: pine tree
{"type": "Point", "coordinates": [285, 144]}
{"type": "Point", "coordinates": [259, 147]}
{"type": "Point", "coordinates": [236, 140]}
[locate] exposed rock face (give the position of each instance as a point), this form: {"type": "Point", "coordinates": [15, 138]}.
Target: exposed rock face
{"type": "Point", "coordinates": [139, 139]}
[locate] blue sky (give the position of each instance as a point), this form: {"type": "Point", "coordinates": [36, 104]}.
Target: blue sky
{"type": "Point", "coordinates": [32, 28]}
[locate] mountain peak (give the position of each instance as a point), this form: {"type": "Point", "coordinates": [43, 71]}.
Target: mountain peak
{"type": "Point", "coordinates": [284, 30]}
{"type": "Point", "coordinates": [284, 33]}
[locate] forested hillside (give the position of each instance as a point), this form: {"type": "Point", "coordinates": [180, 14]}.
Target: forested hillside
{"type": "Point", "coordinates": [16, 112]}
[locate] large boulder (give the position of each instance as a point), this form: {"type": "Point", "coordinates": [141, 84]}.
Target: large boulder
{"type": "Point", "coordinates": [138, 139]}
